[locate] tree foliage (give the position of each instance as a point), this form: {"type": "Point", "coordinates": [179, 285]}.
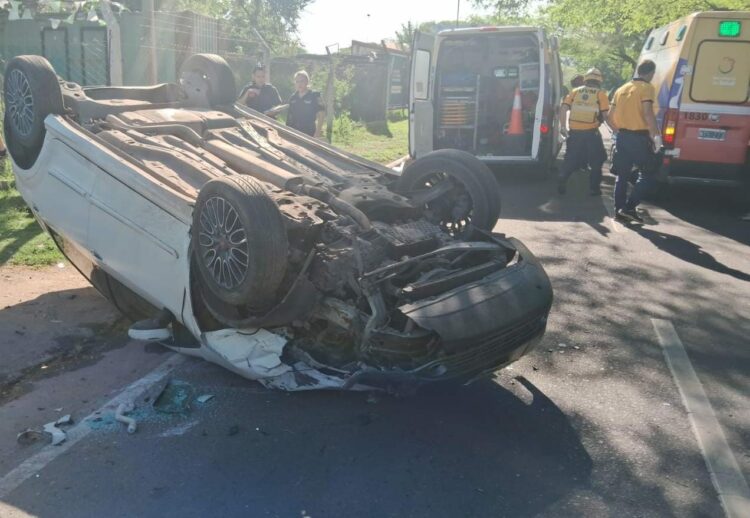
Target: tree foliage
{"type": "Point", "coordinates": [506, 8]}
{"type": "Point", "coordinates": [405, 35]}
{"type": "Point", "coordinates": [609, 35]}
{"type": "Point", "coordinates": [603, 33]}
{"type": "Point", "coordinates": [275, 20]}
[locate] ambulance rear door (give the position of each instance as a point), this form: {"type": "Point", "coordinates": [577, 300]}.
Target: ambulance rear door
{"type": "Point", "coordinates": [556, 94]}
{"type": "Point", "coordinates": [714, 117]}
{"type": "Point", "coordinates": [421, 97]}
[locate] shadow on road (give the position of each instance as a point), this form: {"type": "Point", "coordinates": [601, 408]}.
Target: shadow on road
{"type": "Point", "coordinates": [528, 197]}
{"type": "Point", "coordinates": [711, 209]}
{"type": "Point", "coordinates": [59, 330]}
{"type": "Point", "coordinates": [689, 252]}
{"type": "Point", "coordinates": [446, 452]}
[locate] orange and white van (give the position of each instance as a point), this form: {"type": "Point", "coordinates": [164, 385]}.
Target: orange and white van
{"type": "Point", "coordinates": [703, 84]}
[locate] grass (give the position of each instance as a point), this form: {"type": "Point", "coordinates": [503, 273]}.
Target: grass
{"type": "Point", "coordinates": [22, 241]}
{"type": "Point", "coordinates": [381, 142]}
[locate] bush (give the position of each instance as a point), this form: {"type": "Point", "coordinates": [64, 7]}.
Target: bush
{"type": "Point", "coordinates": [343, 128]}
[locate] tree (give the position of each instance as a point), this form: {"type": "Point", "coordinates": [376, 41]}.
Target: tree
{"type": "Point", "coordinates": [610, 34]}
{"type": "Point", "coordinates": [405, 35]}
{"type": "Point", "coordinates": [275, 20]}
{"type": "Point", "coordinates": [506, 8]}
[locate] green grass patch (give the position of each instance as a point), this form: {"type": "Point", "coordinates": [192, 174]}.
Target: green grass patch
{"type": "Point", "coordinates": [22, 241]}
{"type": "Point", "coordinates": [381, 142]}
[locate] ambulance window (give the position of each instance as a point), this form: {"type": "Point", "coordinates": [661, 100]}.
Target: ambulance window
{"type": "Point", "coordinates": [664, 38]}
{"type": "Point", "coordinates": [421, 74]}
{"type": "Point", "coordinates": [681, 33]}
{"type": "Point", "coordinates": [649, 43]}
{"type": "Point", "coordinates": [722, 72]}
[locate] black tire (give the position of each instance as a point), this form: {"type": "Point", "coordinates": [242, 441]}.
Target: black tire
{"type": "Point", "coordinates": [208, 79]}
{"type": "Point", "coordinates": [483, 173]}
{"type": "Point", "coordinates": [242, 261]}
{"type": "Point", "coordinates": [472, 178]}
{"type": "Point", "coordinates": [32, 91]}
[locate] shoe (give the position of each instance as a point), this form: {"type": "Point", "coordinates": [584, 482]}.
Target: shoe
{"type": "Point", "coordinates": [153, 329]}
{"type": "Point", "coordinates": [630, 215]}
{"type": "Point", "coordinates": [562, 187]}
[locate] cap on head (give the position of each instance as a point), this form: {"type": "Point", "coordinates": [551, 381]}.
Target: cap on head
{"type": "Point", "coordinates": [593, 74]}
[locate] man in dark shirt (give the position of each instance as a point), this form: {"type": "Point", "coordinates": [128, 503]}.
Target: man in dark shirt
{"type": "Point", "coordinates": [306, 110]}
{"type": "Point", "coordinates": [259, 95]}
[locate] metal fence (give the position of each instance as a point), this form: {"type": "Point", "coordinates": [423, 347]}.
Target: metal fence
{"type": "Point", "coordinates": [88, 52]}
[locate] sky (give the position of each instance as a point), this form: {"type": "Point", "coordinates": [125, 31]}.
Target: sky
{"type": "Point", "coordinates": [326, 22]}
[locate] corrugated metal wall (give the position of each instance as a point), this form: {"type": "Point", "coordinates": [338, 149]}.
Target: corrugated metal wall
{"type": "Point", "coordinates": [80, 51]}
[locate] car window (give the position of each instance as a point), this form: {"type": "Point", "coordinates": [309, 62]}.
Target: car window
{"type": "Point", "coordinates": [722, 72]}
{"type": "Point", "coordinates": [681, 33]}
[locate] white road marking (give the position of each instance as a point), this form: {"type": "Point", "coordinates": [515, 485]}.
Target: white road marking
{"type": "Point", "coordinates": [725, 472]}
{"type": "Point", "coordinates": [38, 461]}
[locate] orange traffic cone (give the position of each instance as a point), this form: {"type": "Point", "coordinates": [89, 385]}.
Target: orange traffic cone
{"type": "Point", "coordinates": [516, 125]}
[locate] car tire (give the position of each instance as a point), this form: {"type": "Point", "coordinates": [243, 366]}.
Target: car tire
{"type": "Point", "coordinates": [32, 91]}
{"type": "Point", "coordinates": [471, 175]}
{"type": "Point", "coordinates": [240, 243]}
{"type": "Point", "coordinates": [208, 79]}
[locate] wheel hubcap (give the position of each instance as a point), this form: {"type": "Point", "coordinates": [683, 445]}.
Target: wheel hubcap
{"type": "Point", "coordinates": [223, 243]}
{"type": "Point", "coordinates": [19, 103]}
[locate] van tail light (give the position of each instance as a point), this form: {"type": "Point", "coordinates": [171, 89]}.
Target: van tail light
{"type": "Point", "coordinates": [546, 125]}
{"type": "Point", "coordinates": [670, 127]}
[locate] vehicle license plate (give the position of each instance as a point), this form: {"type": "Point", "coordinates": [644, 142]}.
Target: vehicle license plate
{"type": "Point", "coordinates": [711, 134]}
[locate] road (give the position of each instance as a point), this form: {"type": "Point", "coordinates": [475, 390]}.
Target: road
{"type": "Point", "coordinates": [592, 423]}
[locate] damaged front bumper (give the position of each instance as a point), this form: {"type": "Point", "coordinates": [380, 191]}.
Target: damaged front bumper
{"type": "Point", "coordinates": [482, 326]}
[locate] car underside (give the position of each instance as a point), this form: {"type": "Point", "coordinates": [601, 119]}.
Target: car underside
{"type": "Point", "coordinates": [367, 277]}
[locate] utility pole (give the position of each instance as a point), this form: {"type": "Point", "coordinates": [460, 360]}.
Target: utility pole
{"type": "Point", "coordinates": [148, 13]}
{"type": "Point", "coordinates": [330, 98]}
{"type": "Point", "coordinates": [114, 44]}
{"type": "Point", "coordinates": [458, 11]}
{"type": "Point", "coordinates": [266, 54]}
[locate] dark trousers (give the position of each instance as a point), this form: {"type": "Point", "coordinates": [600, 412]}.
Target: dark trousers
{"type": "Point", "coordinates": [633, 149]}
{"type": "Point", "coordinates": [584, 149]}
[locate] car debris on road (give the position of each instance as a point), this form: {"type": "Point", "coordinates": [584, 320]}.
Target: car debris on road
{"type": "Point", "coordinates": [125, 408]}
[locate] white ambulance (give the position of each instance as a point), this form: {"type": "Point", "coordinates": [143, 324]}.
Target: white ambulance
{"type": "Point", "coordinates": [466, 85]}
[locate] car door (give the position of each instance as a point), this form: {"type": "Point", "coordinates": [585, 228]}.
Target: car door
{"type": "Point", "coordinates": [421, 108]}
{"type": "Point", "coordinates": [57, 188]}
{"type": "Point", "coordinates": [137, 241]}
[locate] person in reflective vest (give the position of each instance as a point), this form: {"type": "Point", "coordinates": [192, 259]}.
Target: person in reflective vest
{"type": "Point", "coordinates": [587, 105]}
{"type": "Point", "coordinates": [638, 141]}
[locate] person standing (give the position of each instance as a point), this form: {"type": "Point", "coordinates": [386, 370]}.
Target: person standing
{"type": "Point", "coordinates": [259, 95]}
{"type": "Point", "coordinates": [577, 81]}
{"type": "Point", "coordinates": [306, 110]}
{"type": "Point", "coordinates": [587, 106]}
{"type": "Point", "coordinates": [638, 140]}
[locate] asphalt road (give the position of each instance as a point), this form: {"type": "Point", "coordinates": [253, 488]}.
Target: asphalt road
{"type": "Point", "coordinates": [590, 424]}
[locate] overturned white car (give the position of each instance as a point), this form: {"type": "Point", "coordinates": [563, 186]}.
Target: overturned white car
{"type": "Point", "coordinates": [254, 246]}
